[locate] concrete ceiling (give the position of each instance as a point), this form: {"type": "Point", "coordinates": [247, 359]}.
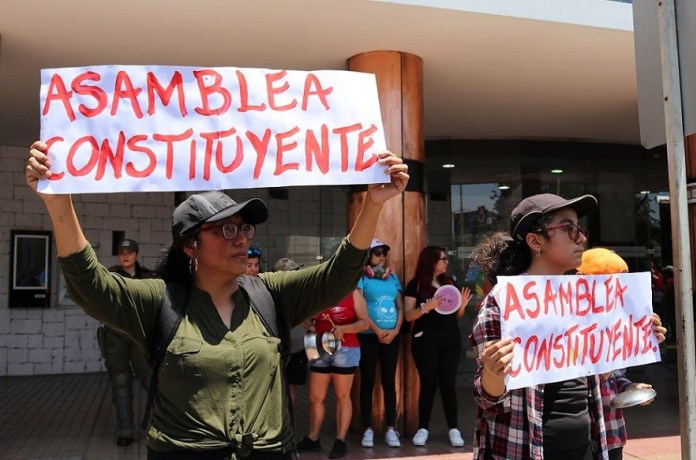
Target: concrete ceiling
{"type": "Point", "coordinates": [554, 69]}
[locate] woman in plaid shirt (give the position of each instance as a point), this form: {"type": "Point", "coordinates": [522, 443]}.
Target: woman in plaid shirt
{"type": "Point", "coordinates": [561, 420]}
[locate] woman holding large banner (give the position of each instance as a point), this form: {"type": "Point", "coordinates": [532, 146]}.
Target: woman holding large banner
{"type": "Point", "coordinates": [221, 393]}
{"type": "Point", "coordinates": [562, 420]}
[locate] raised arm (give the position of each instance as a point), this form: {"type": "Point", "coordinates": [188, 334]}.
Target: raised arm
{"type": "Point", "coordinates": [66, 228]}
{"type": "Point", "coordinates": [363, 230]}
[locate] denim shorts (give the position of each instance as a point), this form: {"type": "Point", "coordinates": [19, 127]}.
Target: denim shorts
{"type": "Point", "coordinates": [343, 361]}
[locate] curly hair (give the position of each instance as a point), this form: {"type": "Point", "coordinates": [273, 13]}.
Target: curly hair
{"type": "Point", "coordinates": [500, 255]}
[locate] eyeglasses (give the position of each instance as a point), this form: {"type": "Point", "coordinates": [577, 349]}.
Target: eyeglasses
{"type": "Point", "coordinates": [380, 253]}
{"type": "Point", "coordinates": [230, 230]}
{"type": "Point", "coordinates": [574, 231]}
{"type": "Point", "coordinates": [446, 259]}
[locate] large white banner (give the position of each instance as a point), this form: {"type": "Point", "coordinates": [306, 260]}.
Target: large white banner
{"type": "Point", "coordinates": [156, 128]}
{"type": "Point", "coordinates": [572, 326]}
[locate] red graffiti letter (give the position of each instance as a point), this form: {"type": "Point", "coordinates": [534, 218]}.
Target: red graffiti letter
{"type": "Point", "coordinates": [58, 91]}
{"type": "Point", "coordinates": [88, 90]}
{"type": "Point", "coordinates": [123, 89]}
{"type": "Point", "coordinates": [208, 90]}
{"type": "Point", "coordinates": [312, 87]}
{"type": "Point", "coordinates": [165, 94]}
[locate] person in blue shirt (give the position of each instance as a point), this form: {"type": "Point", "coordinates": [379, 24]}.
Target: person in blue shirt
{"type": "Point", "coordinates": [383, 294]}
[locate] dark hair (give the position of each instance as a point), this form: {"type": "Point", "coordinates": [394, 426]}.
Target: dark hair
{"type": "Point", "coordinates": [499, 255]}
{"type": "Point", "coordinates": [174, 263]}
{"type": "Point", "coordinates": [425, 269]}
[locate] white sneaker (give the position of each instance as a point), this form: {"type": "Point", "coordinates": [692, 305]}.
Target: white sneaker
{"type": "Point", "coordinates": [456, 438]}
{"type": "Point", "coordinates": [391, 438]}
{"type": "Point", "coordinates": [421, 437]}
{"type": "Point", "coordinates": [368, 439]}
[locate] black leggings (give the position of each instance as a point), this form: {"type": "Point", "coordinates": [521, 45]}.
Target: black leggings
{"type": "Point", "coordinates": [436, 353]}
{"type": "Point", "coordinates": [372, 350]}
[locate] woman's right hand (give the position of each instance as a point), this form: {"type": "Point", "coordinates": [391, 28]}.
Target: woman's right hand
{"type": "Point", "coordinates": [38, 164]}
{"type": "Point", "coordinates": [496, 359]}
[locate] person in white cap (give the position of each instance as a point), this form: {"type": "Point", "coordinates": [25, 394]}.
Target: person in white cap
{"type": "Point", "coordinates": [221, 392]}
{"type": "Point", "coordinates": [381, 342]}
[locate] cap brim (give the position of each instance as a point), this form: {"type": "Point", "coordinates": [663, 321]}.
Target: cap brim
{"type": "Point", "coordinates": [253, 211]}
{"type": "Point", "coordinates": [582, 205]}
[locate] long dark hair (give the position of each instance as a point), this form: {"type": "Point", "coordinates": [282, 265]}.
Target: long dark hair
{"type": "Point", "coordinates": [428, 258]}
{"type": "Point", "coordinates": [174, 263]}
{"type": "Point", "coordinates": [499, 255]}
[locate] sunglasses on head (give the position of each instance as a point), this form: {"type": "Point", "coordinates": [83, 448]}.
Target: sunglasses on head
{"type": "Point", "coordinates": [380, 252]}
{"type": "Point", "coordinates": [254, 252]}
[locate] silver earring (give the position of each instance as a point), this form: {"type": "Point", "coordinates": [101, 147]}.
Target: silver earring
{"type": "Point", "coordinates": [538, 253]}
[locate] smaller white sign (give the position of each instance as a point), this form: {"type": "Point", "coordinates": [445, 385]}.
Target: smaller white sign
{"type": "Point", "coordinates": [573, 326]}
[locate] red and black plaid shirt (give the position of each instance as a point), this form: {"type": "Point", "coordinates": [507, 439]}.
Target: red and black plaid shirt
{"type": "Point", "coordinates": [613, 418]}
{"type": "Point", "coordinates": [510, 426]}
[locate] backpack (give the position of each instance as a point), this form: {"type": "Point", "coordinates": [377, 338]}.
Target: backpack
{"type": "Point", "coordinates": [176, 297]}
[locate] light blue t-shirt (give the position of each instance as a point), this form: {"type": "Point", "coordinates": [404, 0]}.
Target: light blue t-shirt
{"type": "Point", "coordinates": [380, 296]}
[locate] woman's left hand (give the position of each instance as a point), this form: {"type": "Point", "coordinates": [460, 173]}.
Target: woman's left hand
{"type": "Point", "coordinates": [658, 329]}
{"type": "Point", "coordinates": [466, 297]}
{"type": "Point", "coordinates": [647, 386]}
{"type": "Point", "coordinates": [379, 193]}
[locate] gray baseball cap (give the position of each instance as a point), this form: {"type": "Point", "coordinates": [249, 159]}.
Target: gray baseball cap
{"type": "Point", "coordinates": [529, 209]}
{"type": "Point", "coordinates": [212, 207]}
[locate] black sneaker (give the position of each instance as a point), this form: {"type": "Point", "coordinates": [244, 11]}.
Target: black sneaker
{"type": "Point", "coordinates": [340, 449]}
{"type": "Point", "coordinates": [308, 445]}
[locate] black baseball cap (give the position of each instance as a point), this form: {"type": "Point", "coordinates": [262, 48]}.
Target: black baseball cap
{"type": "Point", "coordinates": [128, 245]}
{"type": "Point", "coordinates": [212, 207]}
{"type": "Point", "coordinates": [531, 208]}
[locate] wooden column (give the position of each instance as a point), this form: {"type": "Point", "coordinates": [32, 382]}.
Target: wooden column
{"type": "Point", "coordinates": [402, 223]}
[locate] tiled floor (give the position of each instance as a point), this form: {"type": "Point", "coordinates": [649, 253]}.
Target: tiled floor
{"type": "Point", "coordinates": [71, 417]}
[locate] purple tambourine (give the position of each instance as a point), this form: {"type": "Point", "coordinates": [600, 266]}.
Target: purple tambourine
{"type": "Point", "coordinates": [451, 298]}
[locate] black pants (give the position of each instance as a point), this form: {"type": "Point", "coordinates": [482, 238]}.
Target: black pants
{"type": "Point", "coordinates": [371, 350]}
{"type": "Point", "coordinates": [218, 454]}
{"type": "Point", "coordinates": [581, 453]}
{"type": "Point", "coordinates": [436, 353]}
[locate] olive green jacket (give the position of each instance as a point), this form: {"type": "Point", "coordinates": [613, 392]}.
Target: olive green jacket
{"type": "Point", "coordinates": [218, 387]}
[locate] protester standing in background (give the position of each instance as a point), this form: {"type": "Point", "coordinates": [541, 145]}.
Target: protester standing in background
{"type": "Point", "coordinates": [121, 355]}
{"type": "Point", "coordinates": [436, 344]}
{"type": "Point", "coordinates": [380, 343]}
{"type": "Point", "coordinates": [253, 261]}
{"type": "Point", "coordinates": [296, 369]}
{"type": "Point", "coordinates": [344, 321]}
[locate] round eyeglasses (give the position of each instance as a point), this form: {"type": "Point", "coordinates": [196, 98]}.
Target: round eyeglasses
{"type": "Point", "coordinates": [574, 231]}
{"type": "Point", "coordinates": [230, 230]}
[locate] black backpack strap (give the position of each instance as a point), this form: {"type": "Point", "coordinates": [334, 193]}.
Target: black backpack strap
{"type": "Point", "coordinates": [263, 303]}
{"type": "Point", "coordinates": [174, 302]}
